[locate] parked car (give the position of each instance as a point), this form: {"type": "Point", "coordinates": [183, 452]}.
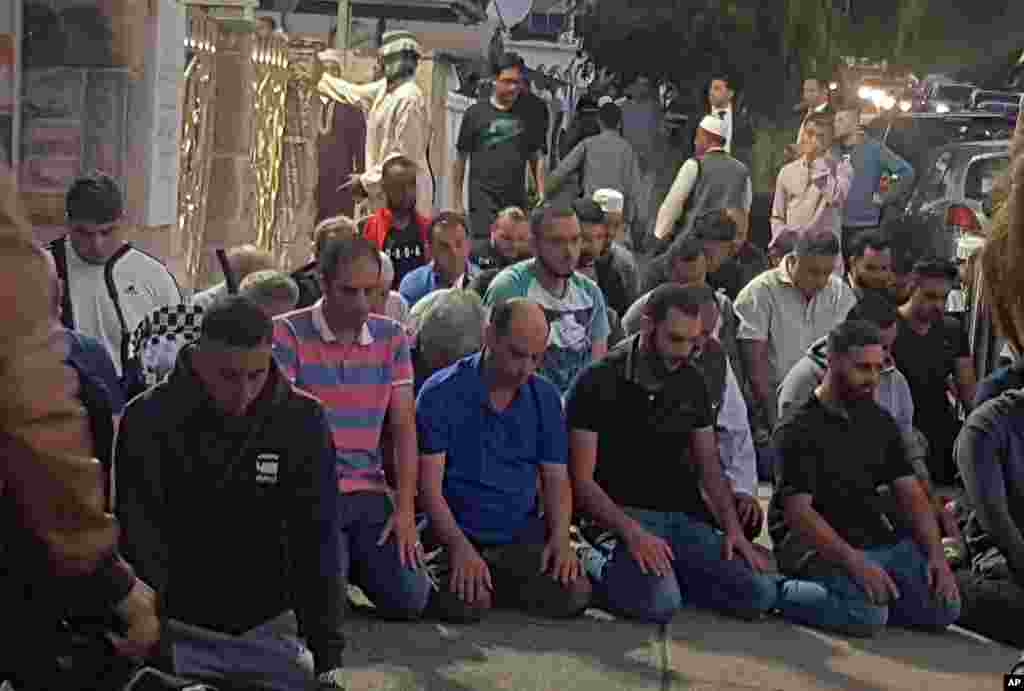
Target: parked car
{"type": "Point", "coordinates": [914, 135]}
{"type": "Point", "coordinates": [952, 198]}
{"type": "Point", "coordinates": [982, 98]}
{"type": "Point", "coordinates": [949, 98]}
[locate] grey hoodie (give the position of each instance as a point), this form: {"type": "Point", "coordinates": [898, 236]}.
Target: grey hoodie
{"type": "Point", "coordinates": [893, 395]}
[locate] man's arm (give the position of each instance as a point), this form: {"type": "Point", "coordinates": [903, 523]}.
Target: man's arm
{"type": "Point", "coordinates": [557, 497]}
{"type": "Point", "coordinates": [780, 207]}
{"type": "Point", "coordinates": [140, 497]}
{"type": "Point", "coordinates": [966, 381]}
{"type": "Point", "coordinates": [914, 502]}
{"type": "Point", "coordinates": [601, 328]}
{"type": "Point", "coordinates": [803, 518]}
{"type": "Point", "coordinates": [705, 456]}
{"type": "Point", "coordinates": [735, 441]}
{"type": "Point", "coordinates": [361, 95]}
{"type": "Point", "coordinates": [839, 184]}
{"type": "Point", "coordinates": [459, 181]}
{"type": "Point", "coordinates": [755, 359]}
{"type": "Point", "coordinates": [590, 497]}
{"type": "Point", "coordinates": [568, 165]}
{"type": "Point", "coordinates": [536, 165]}
{"type": "Point", "coordinates": [675, 201]}
{"type": "Point", "coordinates": [978, 453]}
{"type": "Point", "coordinates": [313, 539]}
{"type": "Point", "coordinates": [402, 421]}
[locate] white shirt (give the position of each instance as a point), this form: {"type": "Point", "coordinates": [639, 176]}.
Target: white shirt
{"type": "Point", "coordinates": [726, 124]}
{"type": "Point", "coordinates": [142, 282]}
{"type": "Point", "coordinates": [672, 208]}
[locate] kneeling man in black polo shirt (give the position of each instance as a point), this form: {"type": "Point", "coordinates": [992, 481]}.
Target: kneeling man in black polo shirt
{"type": "Point", "coordinates": [641, 445]}
{"type": "Point", "coordinates": [827, 519]}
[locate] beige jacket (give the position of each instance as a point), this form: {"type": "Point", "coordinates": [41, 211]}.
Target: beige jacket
{"type": "Point", "coordinates": [397, 123]}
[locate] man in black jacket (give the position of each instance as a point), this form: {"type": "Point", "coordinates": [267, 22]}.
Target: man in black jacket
{"type": "Point", "coordinates": [227, 496]}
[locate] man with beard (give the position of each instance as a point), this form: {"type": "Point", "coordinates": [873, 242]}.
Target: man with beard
{"type": "Point", "coordinates": [928, 349]}
{"type": "Point", "coordinates": [574, 304]}
{"type": "Point", "coordinates": [610, 265]}
{"type": "Point", "coordinates": [827, 518]}
{"type": "Point", "coordinates": [870, 257]}
{"type": "Point", "coordinates": [651, 502]}
{"type": "Point", "coordinates": [396, 119]}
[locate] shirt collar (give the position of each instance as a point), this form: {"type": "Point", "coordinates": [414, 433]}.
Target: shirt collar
{"type": "Point", "coordinates": [821, 108]}
{"type": "Point", "coordinates": [322, 327]}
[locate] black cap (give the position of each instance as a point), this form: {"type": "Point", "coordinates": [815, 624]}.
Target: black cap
{"type": "Point", "coordinates": [588, 211]}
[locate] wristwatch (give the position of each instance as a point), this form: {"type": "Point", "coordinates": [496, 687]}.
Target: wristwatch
{"type": "Point", "coordinates": [331, 679]}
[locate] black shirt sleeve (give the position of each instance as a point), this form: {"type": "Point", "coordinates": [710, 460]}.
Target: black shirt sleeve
{"type": "Point", "coordinates": [798, 461]}
{"type": "Point", "coordinates": [585, 404]}
{"type": "Point", "coordinates": [705, 414]}
{"type": "Point", "coordinates": [894, 464]}
{"type": "Point", "coordinates": [313, 539]}
{"type": "Point", "coordinates": [468, 131]}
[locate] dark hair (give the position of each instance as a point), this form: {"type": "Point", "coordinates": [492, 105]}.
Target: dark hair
{"type": "Point", "coordinates": [685, 248]}
{"type": "Point", "coordinates": [236, 321]}
{"type": "Point", "coordinates": [851, 334]}
{"type": "Point", "coordinates": [397, 162]}
{"type": "Point", "coordinates": [715, 226]}
{"type": "Point", "coordinates": [503, 311]}
{"type": "Point", "coordinates": [588, 211]}
{"type": "Point", "coordinates": [819, 243]}
{"type": "Point", "coordinates": [822, 83]}
{"type": "Point", "coordinates": [877, 240]}
{"type": "Point", "coordinates": [346, 250]}
{"type": "Point", "coordinates": [506, 62]}
{"type": "Point", "coordinates": [935, 268]}
{"type": "Point", "coordinates": [672, 296]}
{"type": "Point", "coordinates": [875, 308]}
{"type": "Point", "coordinates": [719, 78]}
{"type": "Point", "coordinates": [610, 115]}
{"type": "Point", "coordinates": [545, 213]}
{"type": "Point", "coordinates": [94, 198]}
{"type": "Point", "coordinates": [903, 261]}
{"type": "Point", "coordinates": [447, 219]}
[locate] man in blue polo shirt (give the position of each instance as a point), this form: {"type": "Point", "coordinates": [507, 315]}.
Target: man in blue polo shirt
{"type": "Point", "coordinates": [487, 426]}
{"type": "Point", "coordinates": [449, 267]}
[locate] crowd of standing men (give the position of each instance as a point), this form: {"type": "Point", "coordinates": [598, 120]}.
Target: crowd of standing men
{"type": "Point", "coordinates": [543, 409]}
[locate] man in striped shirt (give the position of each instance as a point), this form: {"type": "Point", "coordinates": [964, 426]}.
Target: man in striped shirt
{"type": "Point", "coordinates": [358, 365]}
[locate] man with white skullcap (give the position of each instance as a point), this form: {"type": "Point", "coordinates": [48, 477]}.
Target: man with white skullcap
{"type": "Point", "coordinates": [710, 181]}
{"type": "Point", "coordinates": [613, 203]}
{"type": "Point", "coordinates": [396, 118]}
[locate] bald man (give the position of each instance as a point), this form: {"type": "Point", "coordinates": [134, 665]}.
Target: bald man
{"type": "Point", "coordinates": [488, 426]}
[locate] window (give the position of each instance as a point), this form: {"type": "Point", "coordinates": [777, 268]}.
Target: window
{"type": "Point", "coordinates": [982, 176]}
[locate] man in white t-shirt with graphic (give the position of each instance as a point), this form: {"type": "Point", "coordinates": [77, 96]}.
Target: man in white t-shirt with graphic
{"type": "Point", "coordinates": [110, 286]}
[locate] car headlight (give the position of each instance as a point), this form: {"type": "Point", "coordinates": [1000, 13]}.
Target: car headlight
{"type": "Point", "coordinates": [941, 107]}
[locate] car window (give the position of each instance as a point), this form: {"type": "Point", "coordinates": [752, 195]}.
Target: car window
{"type": "Point", "coordinates": [959, 94]}
{"type": "Point", "coordinates": [982, 175]}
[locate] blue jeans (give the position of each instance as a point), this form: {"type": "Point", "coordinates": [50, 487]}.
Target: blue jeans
{"type": "Point", "coordinates": [829, 599]}
{"type": "Point", "coordinates": [700, 576]}
{"type": "Point", "coordinates": [396, 591]}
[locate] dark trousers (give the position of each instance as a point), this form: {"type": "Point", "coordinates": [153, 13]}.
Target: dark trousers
{"type": "Point", "coordinates": [515, 574]}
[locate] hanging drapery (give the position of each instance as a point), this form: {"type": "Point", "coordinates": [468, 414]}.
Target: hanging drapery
{"type": "Point", "coordinates": [196, 139]}
{"type": "Point", "coordinates": [270, 85]}
{"type": "Point", "coordinates": [296, 199]}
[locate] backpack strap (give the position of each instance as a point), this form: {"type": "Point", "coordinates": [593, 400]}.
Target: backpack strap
{"type": "Point", "coordinates": [59, 249]}
{"type": "Point", "coordinates": [108, 277]}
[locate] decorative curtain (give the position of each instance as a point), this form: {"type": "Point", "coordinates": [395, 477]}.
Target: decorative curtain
{"type": "Point", "coordinates": [196, 138]}
{"type": "Point", "coordinates": [270, 85]}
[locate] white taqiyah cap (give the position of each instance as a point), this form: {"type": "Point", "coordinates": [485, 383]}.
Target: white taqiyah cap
{"type": "Point", "coordinates": [712, 124]}
{"type": "Point", "coordinates": [604, 100]}
{"type": "Point", "coordinates": [611, 201]}
{"type": "Point", "coordinates": [394, 42]}
{"type": "Point", "coordinates": [331, 55]}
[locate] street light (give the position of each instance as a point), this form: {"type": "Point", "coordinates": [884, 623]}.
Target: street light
{"type": "Point", "coordinates": [864, 92]}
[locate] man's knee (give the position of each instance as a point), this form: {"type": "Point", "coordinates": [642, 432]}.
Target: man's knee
{"type": "Point", "coordinates": [865, 620]}
{"type": "Point", "coordinates": [452, 609]}
{"type": "Point", "coordinates": [631, 593]}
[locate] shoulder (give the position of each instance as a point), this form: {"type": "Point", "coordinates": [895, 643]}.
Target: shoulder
{"type": "Point", "coordinates": [512, 279]}
{"type": "Point", "coordinates": [1000, 413]}
{"type": "Point", "coordinates": [760, 284]}
{"type": "Point", "coordinates": [136, 258]}
{"type": "Point", "coordinates": [442, 383]}
{"type": "Point", "coordinates": [151, 404]}
{"type": "Point", "coordinates": [298, 323]}
{"type": "Point", "coordinates": [546, 392]}
{"type": "Point", "coordinates": [384, 328]}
